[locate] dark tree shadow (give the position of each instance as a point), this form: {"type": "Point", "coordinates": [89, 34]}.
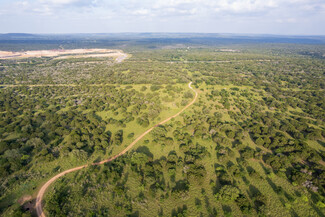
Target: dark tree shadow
{"type": "Point", "coordinates": [253, 191]}
{"type": "Point", "coordinates": [266, 156]}
{"type": "Point", "coordinates": [315, 198]}
{"type": "Point", "coordinates": [126, 176]}
{"type": "Point", "coordinates": [250, 169]}
{"type": "Point", "coordinates": [207, 203]}
{"type": "Point", "coordinates": [198, 202]}
{"type": "Point", "coordinates": [161, 212]}
{"type": "Point", "coordinates": [162, 158]}
{"type": "Point", "coordinates": [298, 194]}
{"type": "Point", "coordinates": [216, 187]}
{"type": "Point", "coordinates": [135, 214]}
{"type": "Point", "coordinates": [172, 153]}
{"type": "Point", "coordinates": [266, 170]}
{"type": "Point", "coordinates": [218, 165]}
{"type": "Point", "coordinates": [319, 212]}
{"type": "Point", "coordinates": [173, 178]}
{"type": "Point", "coordinates": [247, 182]}
{"type": "Point", "coordinates": [273, 186]}
{"type": "Point", "coordinates": [181, 185]}
{"type": "Point", "coordinates": [321, 143]}
{"type": "Point", "coordinates": [288, 196]}
{"type": "Point", "coordinates": [213, 212]}
{"type": "Point", "coordinates": [56, 169]}
{"type": "Point", "coordinates": [174, 212]}
{"type": "Point", "coordinates": [282, 201]}
{"type": "Point", "coordinates": [235, 143]}
{"type": "Point", "coordinates": [230, 163]}
{"type": "Point", "coordinates": [109, 134]}
{"type": "Point", "coordinates": [97, 117]}
{"type": "Point", "coordinates": [145, 150]}
{"type": "Point", "coordinates": [293, 213]}
{"type": "Point", "coordinates": [227, 210]}
{"type": "Point", "coordinates": [179, 211]}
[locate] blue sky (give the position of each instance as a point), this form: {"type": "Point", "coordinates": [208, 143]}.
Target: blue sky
{"type": "Point", "coordinates": [289, 17]}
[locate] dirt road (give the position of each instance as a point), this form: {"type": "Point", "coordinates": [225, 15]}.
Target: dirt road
{"type": "Point", "coordinates": [41, 192]}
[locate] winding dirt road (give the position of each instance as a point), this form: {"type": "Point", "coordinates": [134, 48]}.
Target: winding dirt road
{"type": "Point", "coordinates": [41, 192]}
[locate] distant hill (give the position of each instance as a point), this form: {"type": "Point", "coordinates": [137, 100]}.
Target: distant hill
{"type": "Point", "coordinates": [19, 41]}
{"type": "Point", "coordinates": [16, 35]}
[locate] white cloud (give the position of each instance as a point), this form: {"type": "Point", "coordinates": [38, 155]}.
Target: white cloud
{"type": "Point", "coordinates": [68, 2]}
{"type": "Point", "coordinates": [141, 12]}
{"type": "Point", "coordinates": [177, 7]}
{"type": "Point", "coordinates": [176, 13]}
{"type": "Point", "coordinates": [65, 4]}
{"type": "Point", "coordinates": [23, 3]}
{"type": "Point", "coordinates": [44, 10]}
{"type": "Point", "coordinates": [55, 7]}
{"type": "Point", "coordinates": [286, 20]}
{"type": "Point", "coordinates": [58, 2]}
{"type": "Point", "coordinates": [244, 6]}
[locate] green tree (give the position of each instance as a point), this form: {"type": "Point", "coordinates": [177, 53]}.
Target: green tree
{"type": "Point", "coordinates": [228, 193]}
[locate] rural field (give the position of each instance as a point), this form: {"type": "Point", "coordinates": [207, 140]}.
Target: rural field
{"type": "Point", "coordinates": [154, 126]}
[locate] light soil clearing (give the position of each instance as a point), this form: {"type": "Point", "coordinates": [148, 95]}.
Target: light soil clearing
{"type": "Point", "coordinates": [24, 199]}
{"type": "Point", "coordinates": [63, 54]}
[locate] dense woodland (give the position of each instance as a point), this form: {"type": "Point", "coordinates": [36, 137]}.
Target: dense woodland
{"type": "Point", "coordinates": [252, 144]}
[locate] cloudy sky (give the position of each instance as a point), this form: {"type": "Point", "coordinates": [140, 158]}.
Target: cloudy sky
{"type": "Point", "coordinates": [298, 17]}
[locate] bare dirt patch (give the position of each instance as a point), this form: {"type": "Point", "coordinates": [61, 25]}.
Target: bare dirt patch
{"type": "Point", "coordinates": [90, 55]}
{"type": "Point", "coordinates": [62, 54]}
{"type": "Point", "coordinates": [24, 198]}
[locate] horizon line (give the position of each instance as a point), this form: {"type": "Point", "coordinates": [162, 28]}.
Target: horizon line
{"type": "Point", "coordinates": [220, 33]}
